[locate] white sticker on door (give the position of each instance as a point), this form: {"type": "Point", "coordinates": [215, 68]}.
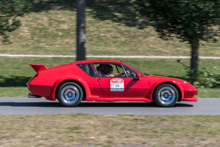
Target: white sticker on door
{"type": "Point", "coordinates": [117, 84]}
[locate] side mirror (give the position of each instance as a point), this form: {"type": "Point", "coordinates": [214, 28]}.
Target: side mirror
{"type": "Point", "coordinates": [138, 77]}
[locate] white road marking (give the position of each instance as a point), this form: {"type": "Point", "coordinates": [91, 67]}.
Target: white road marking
{"type": "Point", "coordinates": [105, 56]}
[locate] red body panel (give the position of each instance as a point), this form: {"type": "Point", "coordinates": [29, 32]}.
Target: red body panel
{"type": "Point", "coordinates": [47, 80]}
{"type": "Point", "coordinates": [133, 88]}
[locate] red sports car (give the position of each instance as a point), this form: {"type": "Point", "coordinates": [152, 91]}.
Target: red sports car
{"type": "Point", "coordinates": [106, 80]}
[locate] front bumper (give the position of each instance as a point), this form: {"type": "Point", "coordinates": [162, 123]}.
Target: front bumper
{"type": "Point", "coordinates": [190, 99]}
{"type": "Point", "coordinates": [189, 96]}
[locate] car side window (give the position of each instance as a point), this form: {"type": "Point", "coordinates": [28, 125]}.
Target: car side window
{"type": "Point", "coordinates": [109, 70]}
{"type": "Point", "coordinates": [87, 67]}
{"type": "Point", "coordinates": [130, 72]}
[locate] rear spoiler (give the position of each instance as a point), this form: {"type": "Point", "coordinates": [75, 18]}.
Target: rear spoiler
{"type": "Point", "coordinates": [38, 67]}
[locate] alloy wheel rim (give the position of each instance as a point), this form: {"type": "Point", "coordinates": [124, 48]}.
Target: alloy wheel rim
{"type": "Point", "coordinates": [166, 95]}
{"type": "Point", "coordinates": [70, 94]}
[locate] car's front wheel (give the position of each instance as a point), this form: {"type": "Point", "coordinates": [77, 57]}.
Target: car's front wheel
{"type": "Point", "coordinates": [166, 95]}
{"type": "Point", "coordinates": [70, 94]}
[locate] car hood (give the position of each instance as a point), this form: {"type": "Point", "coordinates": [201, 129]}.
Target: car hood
{"type": "Point", "coordinates": [162, 78]}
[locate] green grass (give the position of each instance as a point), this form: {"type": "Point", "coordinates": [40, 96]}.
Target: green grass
{"type": "Point", "coordinates": [112, 28]}
{"type": "Point", "coordinates": [209, 92]}
{"type": "Point", "coordinates": [118, 130]}
{"type": "Point", "coordinates": [15, 72]}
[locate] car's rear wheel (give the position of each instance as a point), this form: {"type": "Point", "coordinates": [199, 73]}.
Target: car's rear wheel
{"type": "Point", "coordinates": [70, 94]}
{"type": "Point", "coordinates": [166, 95]}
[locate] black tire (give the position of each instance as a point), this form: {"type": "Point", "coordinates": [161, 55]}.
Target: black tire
{"type": "Point", "coordinates": [166, 95]}
{"type": "Point", "coordinates": [70, 94]}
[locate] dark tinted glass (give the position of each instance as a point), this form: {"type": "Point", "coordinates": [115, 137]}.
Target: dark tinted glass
{"type": "Point", "coordinates": [88, 69]}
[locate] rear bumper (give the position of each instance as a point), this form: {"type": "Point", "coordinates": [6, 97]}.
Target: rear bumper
{"type": "Point", "coordinates": [40, 90]}
{"type": "Point", "coordinates": [30, 95]}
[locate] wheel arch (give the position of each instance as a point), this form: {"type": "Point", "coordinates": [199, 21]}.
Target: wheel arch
{"type": "Point", "coordinates": [71, 80]}
{"type": "Point", "coordinates": [171, 83]}
{"type": "Point", "coordinates": [77, 80]}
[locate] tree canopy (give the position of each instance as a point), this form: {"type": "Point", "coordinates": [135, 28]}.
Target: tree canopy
{"type": "Point", "coordinates": [10, 10]}
{"type": "Point", "coordinates": [188, 20]}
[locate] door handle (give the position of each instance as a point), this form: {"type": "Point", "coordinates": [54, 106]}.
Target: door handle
{"type": "Point", "coordinates": [98, 80]}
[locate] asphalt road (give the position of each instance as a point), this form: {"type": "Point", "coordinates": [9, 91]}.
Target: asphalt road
{"type": "Point", "coordinates": [27, 106]}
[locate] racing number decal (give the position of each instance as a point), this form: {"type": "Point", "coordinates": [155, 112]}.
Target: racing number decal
{"type": "Point", "coordinates": [117, 84]}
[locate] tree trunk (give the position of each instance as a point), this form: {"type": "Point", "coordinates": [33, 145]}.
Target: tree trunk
{"type": "Point", "coordinates": [81, 33]}
{"type": "Point", "coordinates": [194, 54]}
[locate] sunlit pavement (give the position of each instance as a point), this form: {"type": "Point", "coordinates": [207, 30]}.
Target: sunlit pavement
{"type": "Point", "coordinates": [28, 106]}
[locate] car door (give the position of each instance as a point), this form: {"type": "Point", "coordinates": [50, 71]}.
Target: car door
{"type": "Point", "coordinates": [90, 78]}
{"type": "Point", "coordinates": [105, 81]}
{"type": "Point", "coordinates": [135, 87]}
{"type": "Point", "coordinates": [123, 84]}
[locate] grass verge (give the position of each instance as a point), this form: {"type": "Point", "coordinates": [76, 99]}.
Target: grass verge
{"type": "Point", "coordinates": [120, 130]}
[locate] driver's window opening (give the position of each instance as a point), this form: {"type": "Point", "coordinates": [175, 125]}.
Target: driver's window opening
{"type": "Point", "coordinates": [109, 70]}
{"type": "Point", "coordinates": [114, 70]}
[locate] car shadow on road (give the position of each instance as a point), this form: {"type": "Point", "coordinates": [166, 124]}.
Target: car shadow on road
{"type": "Point", "coordinates": [87, 104]}
{"type": "Point", "coordinates": [30, 104]}
{"type": "Point", "coordinates": [130, 104]}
